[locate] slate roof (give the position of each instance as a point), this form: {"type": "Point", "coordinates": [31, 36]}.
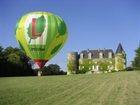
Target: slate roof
{"type": "Point", "coordinates": [120, 49]}
{"type": "Point", "coordinates": [95, 53]}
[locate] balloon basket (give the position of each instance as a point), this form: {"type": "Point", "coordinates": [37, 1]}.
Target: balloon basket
{"type": "Point", "coordinates": [39, 73]}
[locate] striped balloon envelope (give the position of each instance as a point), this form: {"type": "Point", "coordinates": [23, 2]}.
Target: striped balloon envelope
{"type": "Point", "coordinates": [41, 35]}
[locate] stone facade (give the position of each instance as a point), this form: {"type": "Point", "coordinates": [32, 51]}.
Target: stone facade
{"type": "Point", "coordinates": [96, 61]}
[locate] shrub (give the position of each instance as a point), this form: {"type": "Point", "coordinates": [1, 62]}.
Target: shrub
{"type": "Point", "coordinates": [129, 69]}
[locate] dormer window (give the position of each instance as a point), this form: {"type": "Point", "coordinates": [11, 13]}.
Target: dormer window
{"type": "Point", "coordinates": [100, 55]}
{"type": "Point", "coordinates": [110, 55]}
{"type": "Point", "coordinates": [89, 55]}
{"type": "Point", "coordinates": [81, 55]}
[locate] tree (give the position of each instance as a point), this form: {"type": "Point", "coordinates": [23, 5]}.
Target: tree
{"type": "Point", "coordinates": [13, 62]}
{"type": "Point", "coordinates": [13, 58]}
{"type": "Point", "coordinates": [1, 54]}
{"type": "Point", "coordinates": [52, 69]}
{"type": "Point", "coordinates": [136, 61]}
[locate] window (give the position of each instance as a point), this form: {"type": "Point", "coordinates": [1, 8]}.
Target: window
{"type": "Point", "coordinates": [93, 67]}
{"type": "Point", "coordinates": [89, 55]}
{"type": "Point", "coordinates": [100, 55]}
{"type": "Point", "coordinates": [110, 55]}
{"type": "Point", "coordinates": [97, 67]}
{"type": "Point", "coordinates": [81, 55]}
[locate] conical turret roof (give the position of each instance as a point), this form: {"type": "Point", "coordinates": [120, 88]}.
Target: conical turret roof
{"type": "Point", "coordinates": [120, 49]}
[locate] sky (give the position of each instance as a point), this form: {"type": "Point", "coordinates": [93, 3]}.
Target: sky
{"type": "Point", "coordinates": [92, 24]}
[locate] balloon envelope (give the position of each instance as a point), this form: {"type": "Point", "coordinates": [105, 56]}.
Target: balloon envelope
{"type": "Point", "coordinates": [41, 35]}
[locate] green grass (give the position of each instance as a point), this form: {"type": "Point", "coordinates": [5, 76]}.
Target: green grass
{"type": "Point", "coordinates": [121, 88]}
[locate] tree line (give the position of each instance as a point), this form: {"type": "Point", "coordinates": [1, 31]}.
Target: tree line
{"type": "Point", "coordinates": [135, 64]}
{"type": "Point", "coordinates": [14, 62]}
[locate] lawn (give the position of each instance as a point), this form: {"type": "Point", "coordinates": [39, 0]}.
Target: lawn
{"type": "Point", "coordinates": [120, 88]}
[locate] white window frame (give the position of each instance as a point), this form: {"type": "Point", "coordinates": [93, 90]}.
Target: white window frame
{"type": "Point", "coordinates": [110, 55]}
{"type": "Point", "coordinates": [81, 55]}
{"type": "Point", "coordinates": [101, 55]}
{"type": "Point", "coordinates": [89, 55]}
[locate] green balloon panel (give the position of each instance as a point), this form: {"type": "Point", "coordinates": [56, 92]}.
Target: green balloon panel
{"type": "Point", "coordinates": [41, 34]}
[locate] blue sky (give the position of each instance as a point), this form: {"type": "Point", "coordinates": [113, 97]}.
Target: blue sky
{"type": "Point", "coordinates": [92, 24]}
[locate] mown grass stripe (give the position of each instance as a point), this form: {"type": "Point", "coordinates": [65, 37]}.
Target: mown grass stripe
{"type": "Point", "coordinates": [120, 88]}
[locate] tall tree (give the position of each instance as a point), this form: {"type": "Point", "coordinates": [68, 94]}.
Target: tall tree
{"type": "Point", "coordinates": [13, 62]}
{"type": "Point", "coordinates": [136, 61]}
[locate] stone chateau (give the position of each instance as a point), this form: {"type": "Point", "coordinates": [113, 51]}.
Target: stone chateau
{"type": "Point", "coordinates": [96, 61]}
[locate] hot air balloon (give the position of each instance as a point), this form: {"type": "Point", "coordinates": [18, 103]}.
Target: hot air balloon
{"type": "Point", "coordinates": [41, 35]}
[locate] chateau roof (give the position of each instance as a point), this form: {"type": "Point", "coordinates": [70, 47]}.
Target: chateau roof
{"type": "Point", "coordinates": [120, 49]}
{"type": "Point", "coordinates": [95, 53]}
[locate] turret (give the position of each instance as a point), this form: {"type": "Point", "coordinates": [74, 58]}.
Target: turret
{"type": "Point", "coordinates": [120, 58]}
{"type": "Point", "coordinates": [72, 63]}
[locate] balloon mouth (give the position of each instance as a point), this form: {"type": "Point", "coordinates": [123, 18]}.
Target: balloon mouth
{"type": "Point", "coordinates": [40, 63]}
